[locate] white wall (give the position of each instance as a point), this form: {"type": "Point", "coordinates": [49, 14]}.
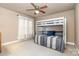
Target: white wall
{"type": "Point", "coordinates": [77, 22]}
{"type": "Point", "coordinates": [70, 22]}
{"type": "Point", "coordinates": [8, 25]}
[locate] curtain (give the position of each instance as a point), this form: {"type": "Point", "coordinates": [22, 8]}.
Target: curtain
{"type": "Point", "coordinates": [25, 28]}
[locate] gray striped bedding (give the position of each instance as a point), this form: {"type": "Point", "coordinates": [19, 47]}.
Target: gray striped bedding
{"type": "Point", "coordinates": [54, 42]}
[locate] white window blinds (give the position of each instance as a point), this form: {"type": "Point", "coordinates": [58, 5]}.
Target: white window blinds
{"type": "Point", "coordinates": [25, 28]}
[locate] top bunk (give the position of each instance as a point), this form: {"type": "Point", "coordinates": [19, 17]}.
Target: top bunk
{"type": "Point", "coordinates": [50, 22]}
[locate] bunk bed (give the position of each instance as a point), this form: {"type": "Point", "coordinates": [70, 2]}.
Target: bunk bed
{"type": "Point", "coordinates": [51, 33]}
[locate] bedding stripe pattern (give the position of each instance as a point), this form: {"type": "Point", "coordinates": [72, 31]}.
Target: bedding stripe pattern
{"type": "Point", "coordinates": [54, 42]}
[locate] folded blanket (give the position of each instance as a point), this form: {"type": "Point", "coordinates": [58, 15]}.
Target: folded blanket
{"type": "Point", "coordinates": [54, 42]}
{"type": "Point", "coordinates": [58, 43]}
{"type": "Point", "coordinates": [49, 41]}
{"type": "Point", "coordinates": [39, 38]}
{"type": "Point", "coordinates": [45, 41]}
{"type": "Point", "coordinates": [62, 46]}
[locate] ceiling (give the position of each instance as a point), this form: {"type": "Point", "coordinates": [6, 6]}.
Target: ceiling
{"type": "Point", "coordinates": [52, 8]}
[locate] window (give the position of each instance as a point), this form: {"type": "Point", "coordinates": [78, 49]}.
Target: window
{"type": "Point", "coordinates": [25, 28]}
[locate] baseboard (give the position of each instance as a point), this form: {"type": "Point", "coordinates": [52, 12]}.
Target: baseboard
{"type": "Point", "coordinates": [11, 42]}
{"type": "Point", "coordinates": [16, 41]}
{"type": "Point", "coordinates": [70, 43]}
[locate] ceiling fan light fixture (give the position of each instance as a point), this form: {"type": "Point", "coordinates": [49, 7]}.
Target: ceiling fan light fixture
{"type": "Point", "coordinates": [37, 11]}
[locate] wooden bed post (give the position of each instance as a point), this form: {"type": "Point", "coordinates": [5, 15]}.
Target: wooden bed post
{"type": "Point", "coordinates": [0, 42]}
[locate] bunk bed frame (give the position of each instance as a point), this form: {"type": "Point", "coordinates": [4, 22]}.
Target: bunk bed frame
{"type": "Point", "coordinates": [43, 24]}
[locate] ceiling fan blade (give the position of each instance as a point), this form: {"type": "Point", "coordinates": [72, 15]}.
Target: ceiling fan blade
{"type": "Point", "coordinates": [29, 9]}
{"type": "Point", "coordinates": [43, 7]}
{"type": "Point", "coordinates": [33, 5]}
{"type": "Point", "coordinates": [42, 11]}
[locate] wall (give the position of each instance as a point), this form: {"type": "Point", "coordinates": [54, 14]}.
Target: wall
{"type": "Point", "coordinates": [8, 25]}
{"type": "Point", "coordinates": [70, 22]}
{"type": "Point", "coordinates": [53, 28]}
{"type": "Point", "coordinates": [77, 23]}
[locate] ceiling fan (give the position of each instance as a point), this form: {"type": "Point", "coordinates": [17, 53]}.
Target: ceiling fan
{"type": "Point", "coordinates": [37, 9]}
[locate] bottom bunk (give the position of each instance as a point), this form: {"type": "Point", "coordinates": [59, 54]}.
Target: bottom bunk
{"type": "Point", "coordinates": [51, 41]}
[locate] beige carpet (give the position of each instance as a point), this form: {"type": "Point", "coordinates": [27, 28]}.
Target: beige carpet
{"type": "Point", "coordinates": [29, 48]}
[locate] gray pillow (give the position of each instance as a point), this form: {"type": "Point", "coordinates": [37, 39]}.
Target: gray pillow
{"type": "Point", "coordinates": [58, 33]}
